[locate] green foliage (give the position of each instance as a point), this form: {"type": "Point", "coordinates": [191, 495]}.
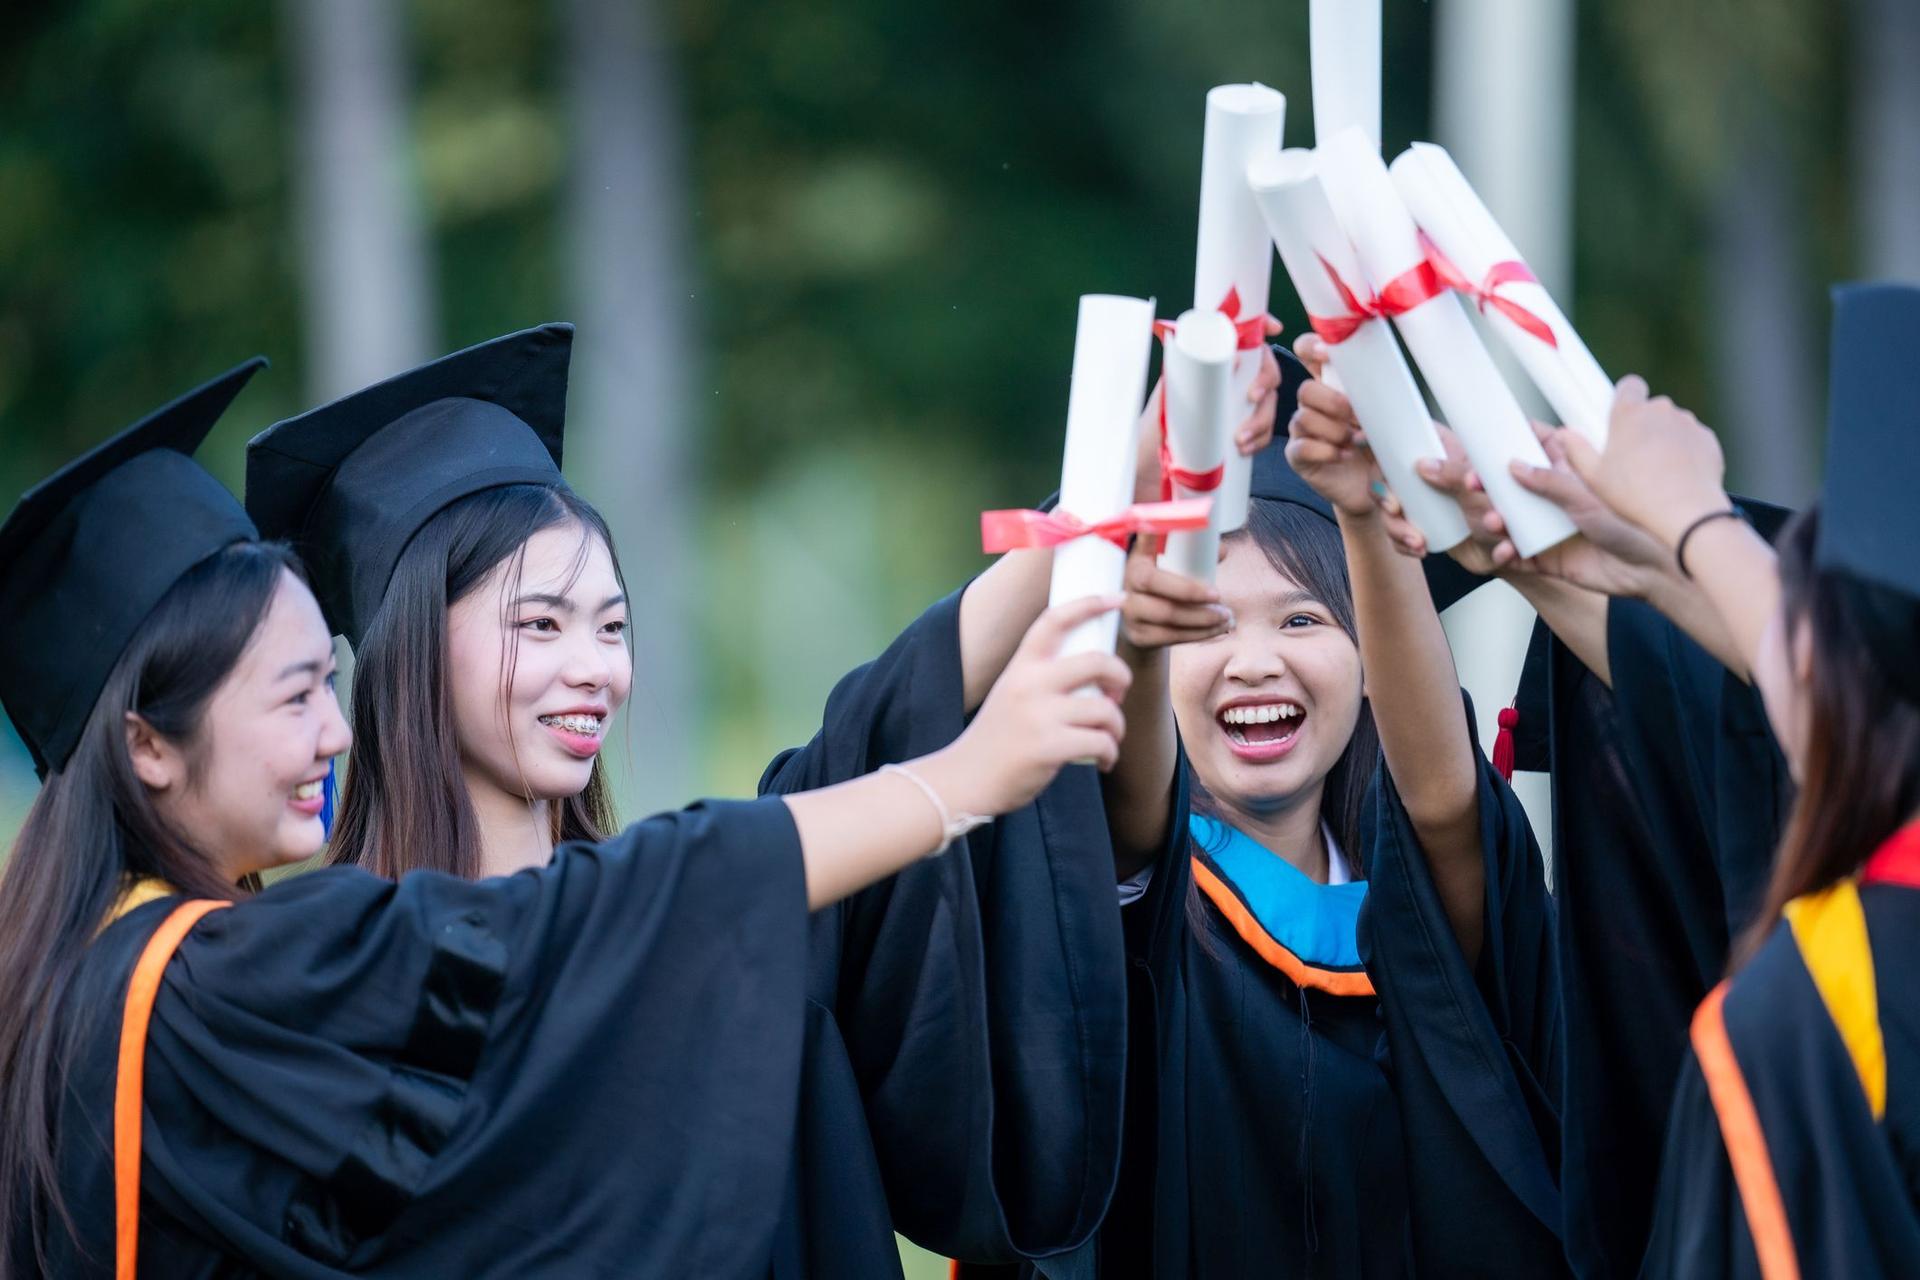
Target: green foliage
{"type": "Point", "coordinates": [893, 207]}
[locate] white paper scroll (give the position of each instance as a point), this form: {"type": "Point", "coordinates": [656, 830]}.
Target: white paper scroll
{"type": "Point", "coordinates": [1201, 416]}
{"type": "Point", "coordinates": [1368, 362]}
{"type": "Point", "coordinates": [1474, 398]}
{"type": "Point", "coordinates": [1234, 252]}
{"type": "Point", "coordinates": [1110, 350]}
{"type": "Point", "coordinates": [1454, 217]}
{"type": "Point", "coordinates": [1343, 40]}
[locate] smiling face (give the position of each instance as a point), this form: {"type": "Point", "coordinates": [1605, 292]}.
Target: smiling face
{"type": "Point", "coordinates": [1266, 710]}
{"type": "Point", "coordinates": [247, 790]}
{"type": "Point", "coordinates": [538, 666]}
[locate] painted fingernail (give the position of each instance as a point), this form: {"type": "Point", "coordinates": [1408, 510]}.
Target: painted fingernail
{"type": "Point", "coordinates": [1379, 490]}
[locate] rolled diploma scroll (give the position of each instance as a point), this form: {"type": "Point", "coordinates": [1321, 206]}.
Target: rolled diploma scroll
{"type": "Point", "coordinates": [1474, 398]}
{"type": "Point", "coordinates": [1233, 252]}
{"type": "Point", "coordinates": [1201, 415]}
{"type": "Point", "coordinates": [1454, 217]}
{"type": "Point", "coordinates": [1343, 42]}
{"type": "Point", "coordinates": [1371, 369]}
{"type": "Point", "coordinates": [1110, 350]}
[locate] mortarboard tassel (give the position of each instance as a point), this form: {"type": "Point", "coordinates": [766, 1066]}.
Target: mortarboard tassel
{"type": "Point", "coordinates": [1503, 741]}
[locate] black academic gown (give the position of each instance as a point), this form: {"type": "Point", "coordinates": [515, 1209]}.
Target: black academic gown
{"type": "Point", "coordinates": [1278, 1131]}
{"type": "Point", "coordinates": [966, 1020]}
{"type": "Point", "coordinates": [584, 1070]}
{"type": "Point", "coordinates": [1850, 1186]}
{"type": "Point", "coordinates": [1668, 797]}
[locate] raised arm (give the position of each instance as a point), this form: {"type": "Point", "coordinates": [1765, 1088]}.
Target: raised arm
{"type": "Point", "coordinates": [1030, 725]}
{"type": "Point", "coordinates": [1410, 679]}
{"type": "Point", "coordinates": [1663, 470]}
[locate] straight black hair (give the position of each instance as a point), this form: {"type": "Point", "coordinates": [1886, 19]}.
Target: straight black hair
{"type": "Point", "coordinates": [405, 805]}
{"type": "Point", "coordinates": [1860, 777]}
{"type": "Point", "coordinates": [91, 833]}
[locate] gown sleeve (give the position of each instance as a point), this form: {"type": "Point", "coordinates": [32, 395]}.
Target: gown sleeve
{"type": "Point", "coordinates": [1474, 1049]}
{"type": "Point", "coordinates": [1697, 741]}
{"type": "Point", "coordinates": [972, 1010]}
{"type": "Point", "coordinates": [595, 1061]}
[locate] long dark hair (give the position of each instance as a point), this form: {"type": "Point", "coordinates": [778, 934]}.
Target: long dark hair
{"type": "Point", "coordinates": [1306, 547]}
{"type": "Point", "coordinates": [92, 832]}
{"type": "Point", "coordinates": [1860, 773]}
{"type": "Point", "coordinates": [405, 805]}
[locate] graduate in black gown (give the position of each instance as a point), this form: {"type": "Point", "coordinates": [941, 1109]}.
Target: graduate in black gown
{"type": "Point", "coordinates": [1342, 1035]}
{"type": "Point", "coordinates": [961, 1081]}
{"type": "Point", "coordinates": [966, 1019]}
{"type": "Point", "coordinates": [1795, 1133]}
{"type": "Point", "coordinates": [587, 1069]}
{"type": "Point", "coordinates": [1668, 795]}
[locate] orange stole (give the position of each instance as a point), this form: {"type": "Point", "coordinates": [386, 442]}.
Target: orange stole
{"type": "Point", "coordinates": [129, 1083]}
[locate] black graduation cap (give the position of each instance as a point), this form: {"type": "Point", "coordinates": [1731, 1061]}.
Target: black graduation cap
{"type": "Point", "coordinates": [1870, 509]}
{"type": "Point", "coordinates": [351, 482]}
{"type": "Point", "coordinates": [1274, 479]}
{"type": "Point", "coordinates": [89, 551]}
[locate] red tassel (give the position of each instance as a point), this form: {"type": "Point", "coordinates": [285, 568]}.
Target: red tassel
{"type": "Point", "coordinates": [1503, 742]}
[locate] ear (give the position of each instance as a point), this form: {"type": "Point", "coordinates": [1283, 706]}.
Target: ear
{"type": "Point", "coordinates": [156, 762]}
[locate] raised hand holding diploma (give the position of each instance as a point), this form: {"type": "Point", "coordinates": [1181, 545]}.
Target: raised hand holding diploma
{"type": "Point", "coordinates": [1233, 255]}
{"type": "Point", "coordinates": [1662, 469]}
{"type": "Point", "coordinates": [1090, 528]}
{"type": "Point", "coordinates": [1476, 258]}
{"type": "Point", "coordinates": [1473, 397]}
{"type": "Point", "coordinates": [1360, 346]}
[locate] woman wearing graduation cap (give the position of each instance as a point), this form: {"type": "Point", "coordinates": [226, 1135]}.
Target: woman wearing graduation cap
{"type": "Point", "coordinates": [1311, 853]}
{"type": "Point", "coordinates": [484, 603]}
{"type": "Point", "coordinates": [1668, 798]}
{"type": "Point", "coordinates": [347, 1075]}
{"type": "Point", "coordinates": [1794, 1143]}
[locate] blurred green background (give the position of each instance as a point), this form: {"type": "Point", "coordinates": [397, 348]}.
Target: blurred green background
{"type": "Point", "coordinates": [825, 255]}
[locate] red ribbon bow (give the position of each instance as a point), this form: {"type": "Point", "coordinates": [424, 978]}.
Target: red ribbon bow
{"type": "Point", "coordinates": [1248, 334]}
{"type": "Point", "coordinates": [1485, 293]}
{"type": "Point", "coordinates": [1171, 475]}
{"type": "Point", "coordinates": [1335, 330]}
{"type": "Point", "coordinates": [1014, 529]}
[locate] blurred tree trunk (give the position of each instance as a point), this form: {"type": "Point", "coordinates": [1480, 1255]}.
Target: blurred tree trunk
{"type": "Point", "coordinates": [629, 418]}
{"type": "Point", "coordinates": [1503, 106]}
{"type": "Point", "coordinates": [1886, 151]}
{"type": "Point", "coordinates": [365, 274]}
{"type": "Point", "coordinates": [1764, 338]}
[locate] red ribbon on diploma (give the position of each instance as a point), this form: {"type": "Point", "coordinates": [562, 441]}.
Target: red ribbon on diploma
{"type": "Point", "coordinates": [1248, 335]}
{"type": "Point", "coordinates": [1014, 529]}
{"type": "Point", "coordinates": [1485, 293]}
{"type": "Point", "coordinates": [1425, 281]}
{"type": "Point", "coordinates": [1170, 475]}
{"type": "Point", "coordinates": [1335, 330]}
{"type": "Point", "coordinates": [1418, 284]}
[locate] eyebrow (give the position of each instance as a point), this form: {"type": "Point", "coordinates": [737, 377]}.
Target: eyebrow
{"type": "Point", "coordinates": [561, 602]}
{"type": "Point", "coordinates": [1289, 599]}
{"type": "Point", "coordinates": [308, 668]}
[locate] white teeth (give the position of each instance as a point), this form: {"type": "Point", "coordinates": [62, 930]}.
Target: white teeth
{"type": "Point", "coordinates": [308, 790]}
{"type": "Point", "coordinates": [588, 725]}
{"type": "Point", "coordinates": [1266, 713]}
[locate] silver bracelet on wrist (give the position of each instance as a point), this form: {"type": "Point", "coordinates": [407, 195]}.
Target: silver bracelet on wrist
{"type": "Point", "coordinates": [952, 826]}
